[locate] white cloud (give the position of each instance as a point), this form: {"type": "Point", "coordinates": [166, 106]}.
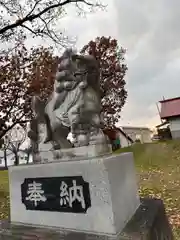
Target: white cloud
{"type": "Point", "coordinates": [150, 32]}
{"type": "Point", "coordinates": [153, 67]}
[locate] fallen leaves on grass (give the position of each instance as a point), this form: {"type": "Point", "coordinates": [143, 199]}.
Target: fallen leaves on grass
{"type": "Point", "coordinates": [4, 205]}
{"type": "Point", "coordinates": [175, 220]}
{"type": "Point", "coordinates": [165, 186]}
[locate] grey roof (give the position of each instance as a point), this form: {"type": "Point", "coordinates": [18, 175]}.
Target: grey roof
{"type": "Point", "coordinates": [138, 128]}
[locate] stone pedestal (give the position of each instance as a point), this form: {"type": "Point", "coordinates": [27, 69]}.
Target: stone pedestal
{"type": "Point", "coordinates": [148, 223]}
{"type": "Point", "coordinates": [76, 153]}
{"type": "Point", "coordinates": [93, 196]}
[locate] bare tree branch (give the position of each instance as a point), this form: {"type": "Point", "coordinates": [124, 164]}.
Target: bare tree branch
{"type": "Point", "coordinates": [33, 8]}
{"type": "Point", "coordinates": [43, 11]}
{"type": "Point", "coordinates": [31, 17]}
{"type": "Point", "coordinates": [12, 125]}
{"type": "Point", "coordinates": [29, 29]}
{"type": "Point", "coordinates": [10, 109]}
{"type": "Point", "coordinates": [6, 7]}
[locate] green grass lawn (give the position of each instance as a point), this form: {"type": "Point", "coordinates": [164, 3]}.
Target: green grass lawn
{"type": "Point", "coordinates": [4, 195]}
{"type": "Point", "coordinates": [158, 168]}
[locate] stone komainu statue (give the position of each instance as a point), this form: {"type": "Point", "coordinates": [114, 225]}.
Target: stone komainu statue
{"type": "Point", "coordinates": [74, 104]}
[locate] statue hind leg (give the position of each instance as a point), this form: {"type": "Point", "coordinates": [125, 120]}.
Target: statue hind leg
{"type": "Point", "coordinates": [60, 134]}
{"type": "Point", "coordinates": [49, 135]}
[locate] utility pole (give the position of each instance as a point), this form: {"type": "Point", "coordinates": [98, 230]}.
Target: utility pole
{"type": "Point", "coordinates": [159, 112]}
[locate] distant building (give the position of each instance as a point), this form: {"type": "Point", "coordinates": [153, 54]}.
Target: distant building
{"type": "Point", "coordinates": [170, 114]}
{"type": "Point", "coordinates": [142, 134]}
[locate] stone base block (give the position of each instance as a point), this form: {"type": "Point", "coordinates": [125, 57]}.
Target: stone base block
{"type": "Point", "coordinates": [148, 223]}
{"type": "Point", "coordinates": [71, 154]}
{"type": "Point", "coordinates": [97, 195]}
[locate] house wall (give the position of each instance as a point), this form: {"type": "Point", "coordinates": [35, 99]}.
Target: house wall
{"type": "Point", "coordinates": [144, 135]}
{"type": "Point", "coordinates": [174, 125]}
{"type": "Point", "coordinates": [123, 140]}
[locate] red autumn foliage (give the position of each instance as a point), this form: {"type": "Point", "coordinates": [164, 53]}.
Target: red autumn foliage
{"type": "Point", "coordinates": [112, 73]}
{"type": "Point", "coordinates": [24, 73]}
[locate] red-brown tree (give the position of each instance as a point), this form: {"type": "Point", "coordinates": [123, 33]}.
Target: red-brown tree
{"type": "Point", "coordinates": [112, 73]}
{"type": "Point", "coordinates": [23, 73]}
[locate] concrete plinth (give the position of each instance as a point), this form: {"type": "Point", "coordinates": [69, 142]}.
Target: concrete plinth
{"type": "Point", "coordinates": [148, 223]}
{"type": "Point", "coordinates": [109, 202]}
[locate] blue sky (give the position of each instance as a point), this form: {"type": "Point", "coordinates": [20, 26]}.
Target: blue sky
{"type": "Point", "coordinates": [150, 32]}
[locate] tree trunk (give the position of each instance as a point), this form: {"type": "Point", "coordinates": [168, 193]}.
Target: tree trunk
{"type": "Point", "coordinates": [28, 155]}
{"type": "Point", "coordinates": [5, 158]}
{"type": "Point", "coordinates": [16, 162]}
